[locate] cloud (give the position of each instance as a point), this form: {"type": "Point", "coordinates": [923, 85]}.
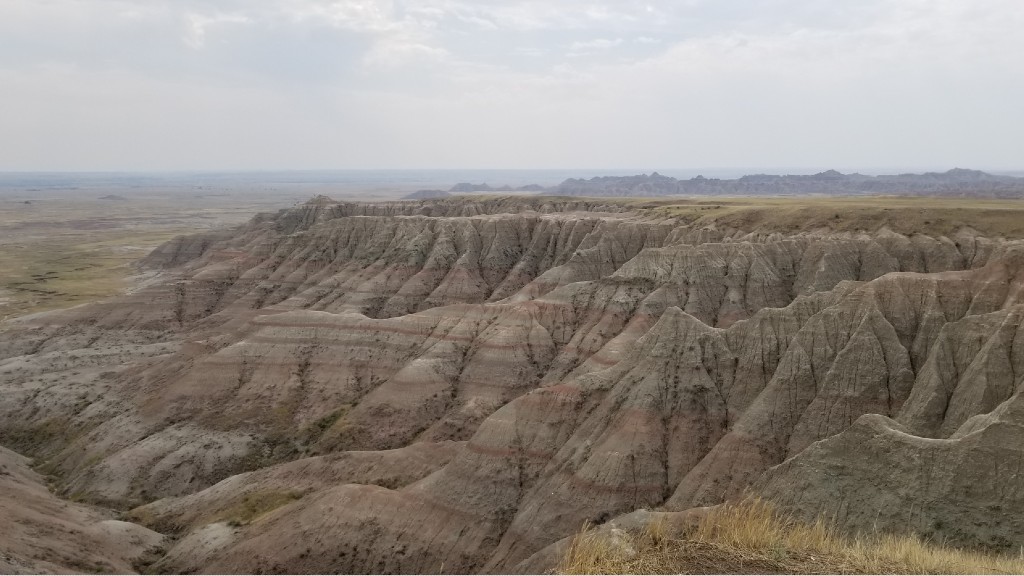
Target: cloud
{"type": "Point", "coordinates": [396, 53]}
{"type": "Point", "coordinates": [198, 24]}
{"type": "Point", "coordinates": [531, 51]}
{"type": "Point", "coordinates": [596, 46]}
{"type": "Point", "coordinates": [369, 16]}
{"type": "Point", "coordinates": [333, 83]}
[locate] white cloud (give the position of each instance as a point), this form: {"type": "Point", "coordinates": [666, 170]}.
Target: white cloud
{"type": "Point", "coordinates": [374, 82]}
{"type": "Point", "coordinates": [197, 26]}
{"type": "Point", "coordinates": [531, 51]}
{"type": "Point", "coordinates": [390, 53]}
{"type": "Point", "coordinates": [598, 44]}
{"type": "Point", "coordinates": [370, 16]}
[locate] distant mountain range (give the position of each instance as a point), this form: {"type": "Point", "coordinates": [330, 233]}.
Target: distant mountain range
{"type": "Point", "coordinates": [469, 187]}
{"type": "Point", "coordinates": [956, 182]}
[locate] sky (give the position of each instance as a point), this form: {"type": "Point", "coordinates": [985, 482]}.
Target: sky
{"type": "Point", "coordinates": [323, 84]}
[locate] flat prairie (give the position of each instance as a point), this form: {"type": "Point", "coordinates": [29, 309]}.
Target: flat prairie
{"type": "Point", "coordinates": [64, 249]}
{"type": "Point", "coordinates": [902, 214]}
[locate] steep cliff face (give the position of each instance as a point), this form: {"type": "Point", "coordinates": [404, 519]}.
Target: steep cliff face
{"type": "Point", "coordinates": [456, 385]}
{"type": "Point", "coordinates": [948, 463]}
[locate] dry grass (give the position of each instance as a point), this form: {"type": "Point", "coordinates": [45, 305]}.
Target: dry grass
{"type": "Point", "coordinates": [906, 215]}
{"type": "Point", "coordinates": [752, 537]}
{"type": "Point", "coordinates": [66, 270]}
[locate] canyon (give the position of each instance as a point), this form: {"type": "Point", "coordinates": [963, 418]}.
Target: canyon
{"type": "Point", "coordinates": [459, 384]}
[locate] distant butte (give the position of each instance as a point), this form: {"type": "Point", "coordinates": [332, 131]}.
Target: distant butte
{"type": "Point", "coordinates": [426, 195]}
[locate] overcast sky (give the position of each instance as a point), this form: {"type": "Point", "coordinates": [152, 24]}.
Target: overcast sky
{"type": "Point", "coordinates": [260, 84]}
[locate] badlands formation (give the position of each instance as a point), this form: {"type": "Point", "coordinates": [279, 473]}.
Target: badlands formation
{"type": "Point", "coordinates": [458, 385]}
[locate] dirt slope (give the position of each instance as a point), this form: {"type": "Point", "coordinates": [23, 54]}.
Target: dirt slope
{"type": "Point", "coordinates": [42, 534]}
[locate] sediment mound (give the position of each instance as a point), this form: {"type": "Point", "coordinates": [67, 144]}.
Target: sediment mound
{"type": "Point", "coordinates": [42, 534]}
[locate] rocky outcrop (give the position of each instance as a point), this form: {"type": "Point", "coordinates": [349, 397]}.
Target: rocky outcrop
{"type": "Point", "coordinates": [877, 476]}
{"type": "Point", "coordinates": [947, 464]}
{"type": "Point", "coordinates": [449, 385]}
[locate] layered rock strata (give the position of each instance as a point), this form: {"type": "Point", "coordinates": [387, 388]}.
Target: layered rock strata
{"type": "Point", "coordinates": [454, 385]}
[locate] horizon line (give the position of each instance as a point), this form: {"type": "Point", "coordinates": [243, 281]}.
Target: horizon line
{"type": "Point", "coordinates": [638, 170]}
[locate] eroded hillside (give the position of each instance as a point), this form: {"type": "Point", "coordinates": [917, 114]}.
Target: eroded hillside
{"type": "Point", "coordinates": [459, 384]}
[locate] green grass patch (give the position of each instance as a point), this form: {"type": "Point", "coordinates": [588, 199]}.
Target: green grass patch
{"type": "Point", "coordinates": [253, 505]}
{"type": "Point", "coordinates": [67, 270]}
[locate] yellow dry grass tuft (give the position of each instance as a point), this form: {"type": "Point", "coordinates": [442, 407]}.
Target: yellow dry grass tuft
{"type": "Point", "coordinates": [253, 505]}
{"type": "Point", "coordinates": [752, 537]}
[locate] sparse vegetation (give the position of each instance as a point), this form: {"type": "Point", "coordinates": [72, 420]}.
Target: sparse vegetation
{"type": "Point", "coordinates": [905, 215]}
{"type": "Point", "coordinates": [65, 270]}
{"type": "Point", "coordinates": [253, 505]}
{"type": "Point", "coordinates": [61, 250]}
{"type": "Point", "coordinates": [752, 536]}
{"type": "Point", "coordinates": [35, 438]}
{"type": "Point", "coordinates": [313, 432]}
